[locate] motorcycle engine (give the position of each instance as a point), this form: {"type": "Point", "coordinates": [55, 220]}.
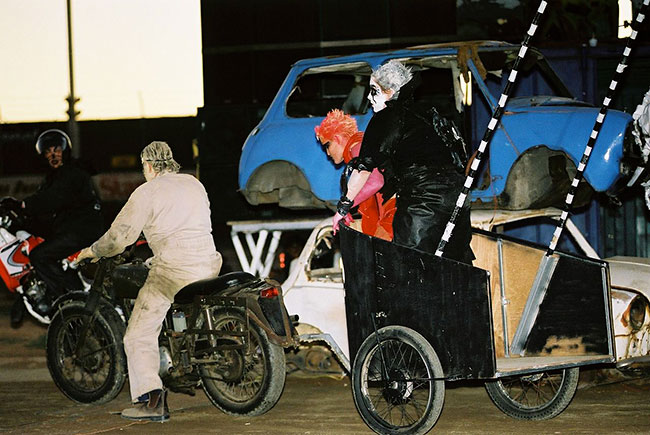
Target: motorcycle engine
{"type": "Point", "coordinates": [35, 290]}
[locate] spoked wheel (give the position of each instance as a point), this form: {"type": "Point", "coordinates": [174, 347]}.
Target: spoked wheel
{"type": "Point", "coordinates": [397, 382]}
{"type": "Point", "coordinates": [247, 378]}
{"type": "Point", "coordinates": [96, 372]}
{"type": "Point", "coordinates": [539, 396]}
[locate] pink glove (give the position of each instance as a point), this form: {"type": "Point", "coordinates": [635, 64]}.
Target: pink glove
{"type": "Point", "coordinates": [347, 219]}
{"type": "Point", "coordinates": [374, 182]}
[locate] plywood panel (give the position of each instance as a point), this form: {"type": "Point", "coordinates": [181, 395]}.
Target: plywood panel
{"type": "Point", "coordinates": [521, 264]}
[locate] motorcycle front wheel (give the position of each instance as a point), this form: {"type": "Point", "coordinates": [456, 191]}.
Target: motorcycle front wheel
{"type": "Point", "coordinates": [249, 378]}
{"type": "Point", "coordinates": [96, 372]}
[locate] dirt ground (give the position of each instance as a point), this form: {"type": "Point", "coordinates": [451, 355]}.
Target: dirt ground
{"type": "Point", "coordinates": [605, 403]}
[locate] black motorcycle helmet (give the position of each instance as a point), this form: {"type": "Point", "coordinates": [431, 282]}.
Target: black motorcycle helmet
{"type": "Point", "coordinates": [53, 138]}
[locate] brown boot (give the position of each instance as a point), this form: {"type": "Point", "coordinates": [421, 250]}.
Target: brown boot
{"type": "Point", "coordinates": [155, 409]}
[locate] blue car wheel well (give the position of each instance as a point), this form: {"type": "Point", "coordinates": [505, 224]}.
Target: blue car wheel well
{"type": "Point", "coordinates": [282, 182]}
{"type": "Point", "coordinates": [539, 176]}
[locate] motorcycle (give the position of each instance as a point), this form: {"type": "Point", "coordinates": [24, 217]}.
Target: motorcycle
{"type": "Point", "coordinates": [224, 334]}
{"type": "Point", "coordinates": [16, 270]}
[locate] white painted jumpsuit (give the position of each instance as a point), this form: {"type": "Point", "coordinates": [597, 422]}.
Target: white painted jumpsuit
{"type": "Point", "coordinates": [173, 211]}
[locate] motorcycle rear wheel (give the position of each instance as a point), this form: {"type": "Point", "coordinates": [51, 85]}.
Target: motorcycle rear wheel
{"type": "Point", "coordinates": [258, 371]}
{"type": "Point", "coordinates": [98, 374]}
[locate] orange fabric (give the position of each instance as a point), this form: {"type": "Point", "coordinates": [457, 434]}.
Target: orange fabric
{"type": "Point", "coordinates": [376, 216]}
{"type": "Point", "coordinates": [353, 147]}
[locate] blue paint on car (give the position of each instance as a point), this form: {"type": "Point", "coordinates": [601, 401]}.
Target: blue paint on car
{"type": "Point", "coordinates": [531, 121]}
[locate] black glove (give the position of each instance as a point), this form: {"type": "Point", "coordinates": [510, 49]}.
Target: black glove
{"type": "Point", "coordinates": [344, 205]}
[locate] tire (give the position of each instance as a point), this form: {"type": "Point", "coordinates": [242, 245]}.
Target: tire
{"type": "Point", "coordinates": [399, 404]}
{"type": "Point", "coordinates": [250, 381]}
{"type": "Point", "coordinates": [99, 375]}
{"type": "Point", "coordinates": [539, 396]}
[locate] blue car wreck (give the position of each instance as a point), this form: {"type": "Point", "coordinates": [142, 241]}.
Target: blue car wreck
{"type": "Point", "coordinates": [532, 156]}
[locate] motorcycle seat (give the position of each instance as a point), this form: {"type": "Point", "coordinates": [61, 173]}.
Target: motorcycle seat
{"type": "Point", "coordinates": [211, 286]}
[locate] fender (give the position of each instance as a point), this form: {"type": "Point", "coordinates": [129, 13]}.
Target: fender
{"type": "Point", "coordinates": [73, 296]}
{"type": "Point", "coordinates": [78, 296]}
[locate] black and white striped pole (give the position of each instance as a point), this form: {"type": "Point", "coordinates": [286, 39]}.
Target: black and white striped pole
{"type": "Point", "coordinates": [492, 125]}
{"type": "Point", "coordinates": [548, 263]}
{"type": "Point", "coordinates": [596, 130]}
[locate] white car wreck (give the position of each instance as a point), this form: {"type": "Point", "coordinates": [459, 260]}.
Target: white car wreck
{"type": "Point", "coordinates": [314, 289]}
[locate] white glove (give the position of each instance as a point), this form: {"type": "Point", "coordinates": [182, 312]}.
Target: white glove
{"type": "Point", "coordinates": [86, 253]}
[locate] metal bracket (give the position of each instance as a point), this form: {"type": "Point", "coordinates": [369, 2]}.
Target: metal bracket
{"type": "Point", "coordinates": [535, 298]}
{"type": "Point", "coordinates": [334, 347]}
{"type": "Point", "coordinates": [256, 248]}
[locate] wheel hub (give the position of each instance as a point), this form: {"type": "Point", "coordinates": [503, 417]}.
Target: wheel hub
{"type": "Point", "coordinates": [398, 390]}
{"type": "Point", "coordinates": [231, 368]}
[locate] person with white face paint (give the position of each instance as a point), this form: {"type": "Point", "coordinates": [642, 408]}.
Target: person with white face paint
{"type": "Point", "coordinates": [173, 212]}
{"type": "Point", "coordinates": [403, 144]}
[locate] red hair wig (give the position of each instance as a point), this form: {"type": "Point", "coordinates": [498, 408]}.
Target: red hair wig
{"type": "Point", "coordinates": [336, 123]}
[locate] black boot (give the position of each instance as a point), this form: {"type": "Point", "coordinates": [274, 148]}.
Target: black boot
{"type": "Point", "coordinates": [17, 312]}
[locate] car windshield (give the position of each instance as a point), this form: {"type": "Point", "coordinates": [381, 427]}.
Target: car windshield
{"type": "Point", "coordinates": [324, 263]}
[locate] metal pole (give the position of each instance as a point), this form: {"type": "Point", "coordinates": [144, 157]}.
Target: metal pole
{"type": "Point", "coordinates": [73, 127]}
{"type": "Point", "coordinates": [492, 125]}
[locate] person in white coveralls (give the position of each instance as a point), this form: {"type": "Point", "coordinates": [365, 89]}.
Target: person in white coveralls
{"type": "Point", "coordinates": [173, 212]}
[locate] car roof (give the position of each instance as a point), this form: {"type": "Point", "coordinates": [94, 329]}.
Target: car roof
{"type": "Point", "coordinates": [418, 50]}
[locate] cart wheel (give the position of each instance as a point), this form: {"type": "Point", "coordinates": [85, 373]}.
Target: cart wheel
{"type": "Point", "coordinates": [539, 396]}
{"type": "Point", "coordinates": [397, 382]}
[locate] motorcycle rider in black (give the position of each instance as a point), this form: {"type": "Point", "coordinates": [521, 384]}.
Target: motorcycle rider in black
{"type": "Point", "coordinates": [66, 198]}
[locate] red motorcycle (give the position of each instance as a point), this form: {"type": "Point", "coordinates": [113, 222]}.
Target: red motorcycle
{"type": "Point", "coordinates": [16, 270]}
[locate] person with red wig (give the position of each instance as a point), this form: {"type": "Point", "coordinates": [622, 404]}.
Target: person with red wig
{"type": "Point", "coordinates": [341, 139]}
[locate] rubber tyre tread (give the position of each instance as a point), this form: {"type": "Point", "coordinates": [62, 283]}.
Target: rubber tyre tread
{"type": "Point", "coordinates": [432, 362]}
{"type": "Point", "coordinates": [553, 408]}
{"type": "Point", "coordinates": [113, 324]}
{"type": "Point", "coordinates": [275, 370]}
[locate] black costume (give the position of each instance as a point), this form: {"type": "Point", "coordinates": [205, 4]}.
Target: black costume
{"type": "Point", "coordinates": [416, 164]}
{"type": "Point", "coordinates": [68, 197]}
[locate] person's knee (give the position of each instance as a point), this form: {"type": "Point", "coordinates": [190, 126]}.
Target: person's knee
{"type": "Point", "coordinates": [135, 340]}
{"type": "Point", "coordinates": [130, 342]}
{"type": "Point", "coordinates": [38, 256]}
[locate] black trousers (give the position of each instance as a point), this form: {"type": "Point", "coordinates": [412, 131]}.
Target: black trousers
{"type": "Point", "coordinates": [46, 259]}
{"type": "Point", "coordinates": [423, 211]}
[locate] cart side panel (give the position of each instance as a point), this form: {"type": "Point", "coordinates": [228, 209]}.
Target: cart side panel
{"type": "Point", "coordinates": [574, 316]}
{"type": "Point", "coordinates": [358, 274]}
{"type": "Point", "coordinates": [445, 301]}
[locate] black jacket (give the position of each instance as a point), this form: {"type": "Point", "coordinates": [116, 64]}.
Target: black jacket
{"type": "Point", "coordinates": [402, 142]}
{"type": "Point", "coordinates": [68, 197]}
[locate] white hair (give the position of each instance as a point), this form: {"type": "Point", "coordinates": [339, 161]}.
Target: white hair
{"type": "Point", "coordinates": [160, 156]}
{"type": "Point", "coordinates": [392, 75]}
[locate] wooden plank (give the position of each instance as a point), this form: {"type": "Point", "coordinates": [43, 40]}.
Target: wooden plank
{"type": "Point", "coordinates": [515, 364]}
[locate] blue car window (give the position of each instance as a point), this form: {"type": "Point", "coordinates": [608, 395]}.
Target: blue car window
{"type": "Point", "coordinates": [437, 90]}
{"type": "Point", "coordinates": [314, 95]}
